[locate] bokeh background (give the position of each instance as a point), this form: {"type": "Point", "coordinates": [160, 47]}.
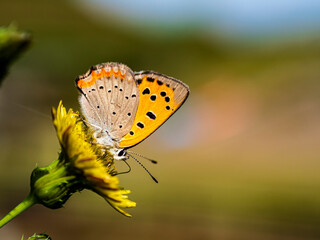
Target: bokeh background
{"type": "Point", "coordinates": [241, 158]}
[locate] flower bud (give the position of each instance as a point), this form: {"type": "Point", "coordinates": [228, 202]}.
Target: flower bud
{"type": "Point", "coordinates": [52, 186]}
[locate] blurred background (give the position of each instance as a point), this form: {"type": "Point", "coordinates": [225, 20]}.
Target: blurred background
{"type": "Point", "coordinates": [240, 159]}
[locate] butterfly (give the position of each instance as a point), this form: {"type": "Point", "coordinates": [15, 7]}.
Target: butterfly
{"type": "Point", "coordinates": [124, 107]}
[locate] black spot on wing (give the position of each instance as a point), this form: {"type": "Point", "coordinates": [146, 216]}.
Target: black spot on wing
{"type": "Point", "coordinates": [151, 115]}
{"type": "Point", "coordinates": [153, 97]}
{"type": "Point", "coordinates": [150, 79]}
{"type": "Point", "coordinates": [163, 94]}
{"type": "Point", "coordinates": [146, 91]}
{"type": "Point", "coordinates": [159, 82]}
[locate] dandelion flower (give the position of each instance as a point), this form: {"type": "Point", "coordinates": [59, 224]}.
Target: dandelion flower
{"type": "Point", "coordinates": [82, 164]}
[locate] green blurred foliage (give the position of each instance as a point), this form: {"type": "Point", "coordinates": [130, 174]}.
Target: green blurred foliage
{"type": "Point", "coordinates": [12, 43]}
{"type": "Point", "coordinates": [247, 166]}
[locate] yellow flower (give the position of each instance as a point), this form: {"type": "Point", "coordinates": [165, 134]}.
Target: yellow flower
{"type": "Point", "coordinates": [82, 164]}
{"type": "Point", "coordinates": [92, 164]}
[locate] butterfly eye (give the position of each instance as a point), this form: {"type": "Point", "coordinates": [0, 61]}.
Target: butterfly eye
{"type": "Point", "coordinates": [121, 153]}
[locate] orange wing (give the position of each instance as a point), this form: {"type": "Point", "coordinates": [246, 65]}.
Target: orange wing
{"type": "Point", "coordinates": [160, 97]}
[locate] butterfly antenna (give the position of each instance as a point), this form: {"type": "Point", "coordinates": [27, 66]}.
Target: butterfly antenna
{"type": "Point", "coordinates": [127, 170]}
{"type": "Point", "coordinates": [149, 159]}
{"type": "Point", "coordinates": [154, 179]}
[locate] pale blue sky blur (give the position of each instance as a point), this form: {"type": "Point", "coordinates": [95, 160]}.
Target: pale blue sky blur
{"type": "Point", "coordinates": [233, 16]}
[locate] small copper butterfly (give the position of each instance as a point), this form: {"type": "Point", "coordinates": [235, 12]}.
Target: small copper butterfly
{"type": "Point", "coordinates": [124, 107]}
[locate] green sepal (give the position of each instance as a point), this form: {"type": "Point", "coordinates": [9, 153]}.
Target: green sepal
{"type": "Point", "coordinates": [53, 185]}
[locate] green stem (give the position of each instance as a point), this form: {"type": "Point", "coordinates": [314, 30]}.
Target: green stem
{"type": "Point", "coordinates": [21, 207]}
